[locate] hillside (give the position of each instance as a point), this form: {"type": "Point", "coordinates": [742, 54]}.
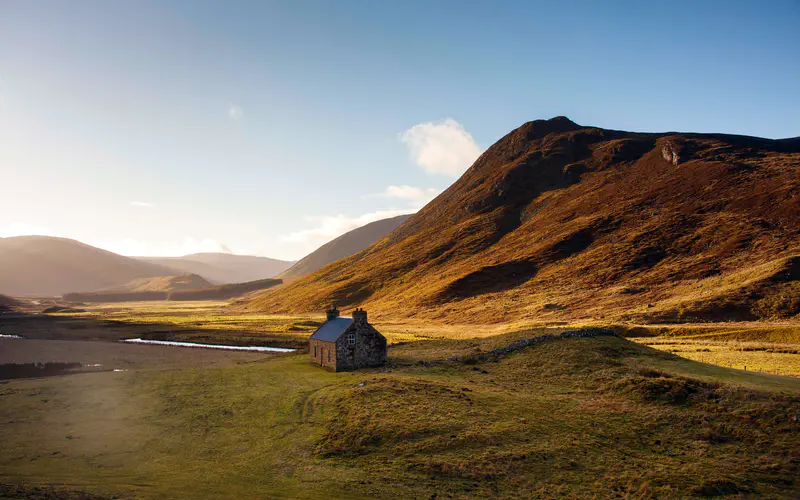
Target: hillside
{"type": "Point", "coordinates": [6, 302]}
{"type": "Point", "coordinates": [344, 246]}
{"type": "Point", "coordinates": [224, 292]}
{"type": "Point", "coordinates": [46, 266]}
{"type": "Point", "coordinates": [183, 287]}
{"type": "Point", "coordinates": [221, 268]}
{"type": "Point", "coordinates": [163, 284]}
{"type": "Point", "coordinates": [557, 221]}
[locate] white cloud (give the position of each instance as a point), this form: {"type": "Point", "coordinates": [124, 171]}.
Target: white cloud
{"type": "Point", "coordinates": [329, 227]}
{"type": "Point", "coordinates": [142, 204]}
{"type": "Point", "coordinates": [441, 147]}
{"type": "Point", "coordinates": [235, 112]}
{"type": "Point", "coordinates": [416, 197]}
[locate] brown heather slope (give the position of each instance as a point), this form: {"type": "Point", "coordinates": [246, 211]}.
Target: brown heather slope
{"type": "Point", "coordinates": [562, 222]}
{"type": "Point", "coordinates": [345, 245]}
{"type": "Point", "coordinates": [43, 265]}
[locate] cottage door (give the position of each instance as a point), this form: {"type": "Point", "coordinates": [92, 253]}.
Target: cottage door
{"type": "Point", "coordinates": [322, 356]}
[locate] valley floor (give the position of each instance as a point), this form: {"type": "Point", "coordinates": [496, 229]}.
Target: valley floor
{"type": "Point", "coordinates": [580, 417]}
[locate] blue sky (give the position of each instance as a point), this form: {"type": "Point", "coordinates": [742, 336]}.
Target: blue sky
{"type": "Point", "coordinates": [271, 127]}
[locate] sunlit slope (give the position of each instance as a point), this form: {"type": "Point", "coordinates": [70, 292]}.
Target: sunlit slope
{"type": "Point", "coordinates": [164, 284]}
{"type": "Point", "coordinates": [43, 265]}
{"type": "Point", "coordinates": [559, 221]}
{"type": "Point", "coordinates": [344, 246]}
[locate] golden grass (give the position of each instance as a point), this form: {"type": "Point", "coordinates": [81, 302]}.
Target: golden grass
{"type": "Point", "coordinates": [574, 418]}
{"type": "Point", "coordinates": [763, 357]}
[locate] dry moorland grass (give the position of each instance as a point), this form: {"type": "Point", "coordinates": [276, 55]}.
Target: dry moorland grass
{"type": "Point", "coordinates": [575, 417]}
{"type": "Point", "coordinates": [572, 417]}
{"type": "Point", "coordinates": [728, 344]}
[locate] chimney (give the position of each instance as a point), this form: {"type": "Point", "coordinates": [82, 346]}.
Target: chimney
{"type": "Point", "coordinates": [332, 313]}
{"type": "Point", "coordinates": [359, 316]}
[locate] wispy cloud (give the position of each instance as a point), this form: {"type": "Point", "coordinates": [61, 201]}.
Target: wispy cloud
{"type": "Point", "coordinates": [416, 197]}
{"type": "Point", "coordinates": [328, 227]}
{"type": "Point", "coordinates": [438, 147]}
{"type": "Point", "coordinates": [143, 204]}
{"type": "Point", "coordinates": [235, 112]}
{"type": "Point", "coordinates": [443, 147]}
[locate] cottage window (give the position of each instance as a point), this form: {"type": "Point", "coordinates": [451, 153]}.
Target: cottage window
{"type": "Point", "coordinates": [329, 355]}
{"type": "Point", "coordinates": [351, 339]}
{"type": "Point", "coordinates": [315, 351]}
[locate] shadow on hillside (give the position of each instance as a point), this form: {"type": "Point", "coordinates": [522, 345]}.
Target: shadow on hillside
{"type": "Point", "coordinates": [46, 327]}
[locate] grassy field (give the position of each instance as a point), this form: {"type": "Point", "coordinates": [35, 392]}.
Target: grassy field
{"type": "Point", "coordinates": [577, 417]}
{"type": "Point", "coordinates": [767, 348]}
{"type": "Point", "coordinates": [764, 357]}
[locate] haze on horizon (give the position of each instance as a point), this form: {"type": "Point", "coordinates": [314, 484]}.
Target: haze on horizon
{"type": "Point", "coordinates": [270, 128]}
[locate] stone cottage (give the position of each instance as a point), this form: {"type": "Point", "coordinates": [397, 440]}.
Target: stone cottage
{"type": "Point", "coordinates": [343, 344]}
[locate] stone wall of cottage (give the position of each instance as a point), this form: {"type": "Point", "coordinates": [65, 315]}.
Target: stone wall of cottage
{"type": "Point", "coordinates": [322, 353]}
{"type": "Point", "coordinates": [368, 351]}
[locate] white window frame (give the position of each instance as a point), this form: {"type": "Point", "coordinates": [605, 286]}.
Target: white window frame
{"type": "Point", "coordinates": [351, 339]}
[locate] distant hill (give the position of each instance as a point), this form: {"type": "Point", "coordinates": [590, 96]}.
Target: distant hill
{"type": "Point", "coordinates": [173, 288]}
{"type": "Point", "coordinates": [48, 266]}
{"type": "Point", "coordinates": [163, 284]}
{"type": "Point", "coordinates": [345, 245]}
{"type": "Point", "coordinates": [224, 292]}
{"type": "Point", "coordinates": [6, 302]}
{"type": "Point", "coordinates": [223, 268]}
{"type": "Point", "coordinates": [558, 221]}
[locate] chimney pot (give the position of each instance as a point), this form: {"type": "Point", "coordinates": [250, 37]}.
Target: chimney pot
{"type": "Point", "coordinates": [359, 315]}
{"type": "Point", "coordinates": [332, 313]}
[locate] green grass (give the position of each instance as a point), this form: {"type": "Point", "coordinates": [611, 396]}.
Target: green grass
{"type": "Point", "coordinates": [168, 434]}
{"type": "Point", "coordinates": [572, 417]}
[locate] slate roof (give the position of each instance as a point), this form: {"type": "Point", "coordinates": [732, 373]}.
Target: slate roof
{"type": "Point", "coordinates": [332, 329]}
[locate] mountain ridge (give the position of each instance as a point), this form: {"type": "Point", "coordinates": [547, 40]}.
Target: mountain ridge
{"type": "Point", "coordinates": [557, 221]}
{"type": "Point", "coordinates": [47, 266]}
{"type": "Point", "coordinates": [223, 268]}
{"type": "Point", "coordinates": [51, 266]}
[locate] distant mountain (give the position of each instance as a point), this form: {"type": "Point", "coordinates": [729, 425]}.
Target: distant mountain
{"type": "Point", "coordinates": [562, 222]}
{"type": "Point", "coordinates": [345, 245]}
{"type": "Point", "coordinates": [224, 292]}
{"type": "Point", "coordinates": [173, 288]}
{"type": "Point", "coordinates": [221, 268]}
{"type": "Point", "coordinates": [48, 266]}
{"type": "Point", "coordinates": [163, 284]}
